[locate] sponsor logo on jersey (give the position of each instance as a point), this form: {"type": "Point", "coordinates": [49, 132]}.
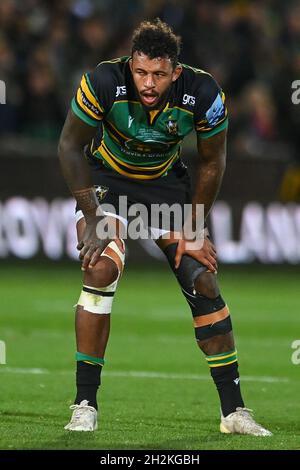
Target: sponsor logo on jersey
{"type": "Point", "coordinates": [101, 192]}
{"type": "Point", "coordinates": [121, 90]}
{"type": "Point", "coordinates": [89, 105]}
{"type": "Point", "coordinates": [215, 112]}
{"type": "Point", "coordinates": [188, 99]}
{"type": "Point", "coordinates": [149, 147]}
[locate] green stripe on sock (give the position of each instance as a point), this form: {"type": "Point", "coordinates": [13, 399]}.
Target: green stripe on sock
{"type": "Point", "coordinates": [86, 357]}
{"type": "Point", "coordinates": [221, 359]}
{"type": "Point", "coordinates": [222, 354]}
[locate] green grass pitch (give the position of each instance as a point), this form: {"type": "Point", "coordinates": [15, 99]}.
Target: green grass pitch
{"type": "Point", "coordinates": [156, 389]}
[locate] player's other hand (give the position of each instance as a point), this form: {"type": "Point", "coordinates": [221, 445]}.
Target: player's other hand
{"type": "Point", "coordinates": [207, 255]}
{"type": "Point", "coordinates": [95, 240]}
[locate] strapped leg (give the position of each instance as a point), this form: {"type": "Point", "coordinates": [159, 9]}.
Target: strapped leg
{"type": "Point", "coordinates": [93, 319]}
{"type": "Point", "coordinates": [212, 323]}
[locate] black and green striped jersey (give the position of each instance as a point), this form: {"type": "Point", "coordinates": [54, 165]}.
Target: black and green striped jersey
{"type": "Point", "coordinates": [134, 141]}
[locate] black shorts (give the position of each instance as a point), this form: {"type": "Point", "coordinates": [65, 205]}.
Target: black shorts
{"type": "Point", "coordinates": [174, 188]}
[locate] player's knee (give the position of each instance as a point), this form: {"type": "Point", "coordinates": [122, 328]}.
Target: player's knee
{"type": "Point", "coordinates": [100, 282]}
{"type": "Point", "coordinates": [206, 285]}
{"type": "Point", "coordinates": [102, 274]}
{"type": "Point", "coordinates": [210, 313]}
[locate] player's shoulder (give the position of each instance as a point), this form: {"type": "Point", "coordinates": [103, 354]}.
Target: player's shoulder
{"type": "Point", "coordinates": [107, 80]}
{"type": "Point", "coordinates": [109, 72]}
{"type": "Point", "coordinates": [112, 66]}
{"type": "Point", "coordinates": [199, 81]}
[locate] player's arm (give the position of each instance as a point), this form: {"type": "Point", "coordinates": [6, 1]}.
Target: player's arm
{"type": "Point", "coordinates": [88, 108]}
{"type": "Point", "coordinates": [211, 127]}
{"type": "Point", "coordinates": [84, 117]}
{"type": "Point", "coordinates": [74, 136]}
{"type": "Point", "coordinates": [210, 168]}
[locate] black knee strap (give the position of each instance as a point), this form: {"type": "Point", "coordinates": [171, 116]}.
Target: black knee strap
{"type": "Point", "coordinates": [209, 331]}
{"type": "Point", "coordinates": [189, 269]}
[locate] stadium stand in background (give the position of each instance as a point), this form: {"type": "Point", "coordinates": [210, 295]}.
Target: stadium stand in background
{"type": "Point", "coordinates": [251, 47]}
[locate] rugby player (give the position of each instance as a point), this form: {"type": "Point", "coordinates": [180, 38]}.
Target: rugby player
{"type": "Point", "coordinates": [122, 136]}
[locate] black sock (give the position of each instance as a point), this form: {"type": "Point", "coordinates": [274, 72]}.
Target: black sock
{"type": "Point", "coordinates": [88, 379]}
{"type": "Point", "coordinates": [227, 382]}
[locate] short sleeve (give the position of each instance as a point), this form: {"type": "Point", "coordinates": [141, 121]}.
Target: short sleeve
{"type": "Point", "coordinates": [211, 114]}
{"type": "Point", "coordinates": [86, 104]}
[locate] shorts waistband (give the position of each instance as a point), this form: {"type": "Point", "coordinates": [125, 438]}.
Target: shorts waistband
{"type": "Point", "coordinates": [179, 168]}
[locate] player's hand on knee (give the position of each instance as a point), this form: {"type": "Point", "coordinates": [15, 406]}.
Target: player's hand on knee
{"type": "Point", "coordinates": [206, 255]}
{"type": "Point", "coordinates": [98, 233]}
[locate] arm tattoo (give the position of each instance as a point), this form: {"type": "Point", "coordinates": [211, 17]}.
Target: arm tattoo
{"type": "Point", "coordinates": [87, 201]}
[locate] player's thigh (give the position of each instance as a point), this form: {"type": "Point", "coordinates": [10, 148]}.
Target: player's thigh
{"type": "Point", "coordinates": [172, 237]}
{"type": "Point", "coordinates": [80, 227]}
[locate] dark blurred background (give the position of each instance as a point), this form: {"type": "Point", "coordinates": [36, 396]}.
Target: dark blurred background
{"type": "Point", "coordinates": [252, 48]}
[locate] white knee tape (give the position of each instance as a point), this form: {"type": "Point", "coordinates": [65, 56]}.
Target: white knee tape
{"type": "Point", "coordinates": [113, 252]}
{"type": "Point", "coordinates": [99, 299]}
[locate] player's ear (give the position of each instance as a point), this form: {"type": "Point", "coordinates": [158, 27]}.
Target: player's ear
{"type": "Point", "coordinates": [130, 64]}
{"type": "Point", "coordinates": [176, 73]}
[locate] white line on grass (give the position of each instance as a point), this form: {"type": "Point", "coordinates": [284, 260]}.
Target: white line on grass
{"type": "Point", "coordinates": [145, 375]}
{"type": "Point", "coordinates": [162, 375]}
{"type": "Point", "coordinates": [19, 370]}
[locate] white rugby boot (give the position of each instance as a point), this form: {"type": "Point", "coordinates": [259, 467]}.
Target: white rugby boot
{"type": "Point", "coordinates": [84, 418]}
{"type": "Point", "coordinates": [242, 422]}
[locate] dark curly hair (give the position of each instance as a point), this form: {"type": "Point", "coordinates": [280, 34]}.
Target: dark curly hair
{"type": "Point", "coordinates": [156, 39]}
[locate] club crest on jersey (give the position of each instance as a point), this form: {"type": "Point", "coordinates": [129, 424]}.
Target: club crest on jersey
{"type": "Point", "coordinates": [172, 126]}
{"type": "Point", "coordinates": [101, 192]}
